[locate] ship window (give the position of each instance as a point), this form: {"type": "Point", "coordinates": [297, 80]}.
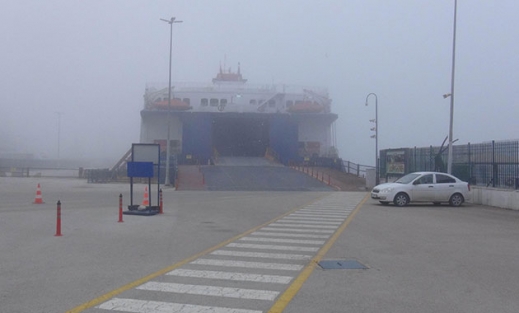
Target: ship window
{"type": "Point", "coordinates": [186, 100]}
{"type": "Point", "coordinates": [223, 101]}
{"type": "Point", "coordinates": [213, 102]}
{"type": "Point", "coordinates": [252, 101]}
{"type": "Point", "coordinates": [289, 103]}
{"type": "Point", "coordinates": [272, 103]}
{"type": "Point", "coordinates": [204, 102]}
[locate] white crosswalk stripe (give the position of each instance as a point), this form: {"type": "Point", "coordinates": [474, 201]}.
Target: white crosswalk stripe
{"type": "Point", "coordinates": [274, 279]}
{"type": "Point", "coordinates": [302, 221]}
{"type": "Point", "coordinates": [247, 264]}
{"type": "Point", "coordinates": [255, 267]}
{"type": "Point", "coordinates": [210, 291]}
{"type": "Point", "coordinates": [302, 225]}
{"type": "Point", "coordinates": [246, 254]}
{"type": "Point", "coordinates": [280, 234]}
{"type": "Point", "coordinates": [271, 247]}
{"type": "Point", "coordinates": [296, 241]}
{"type": "Point", "coordinates": [313, 231]}
{"type": "Point", "coordinates": [142, 306]}
{"type": "Point", "coordinates": [313, 218]}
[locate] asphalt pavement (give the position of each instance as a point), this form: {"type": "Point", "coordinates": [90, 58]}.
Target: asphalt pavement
{"type": "Point", "coordinates": [249, 251]}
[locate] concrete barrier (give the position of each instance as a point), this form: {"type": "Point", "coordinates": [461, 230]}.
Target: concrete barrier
{"type": "Point", "coordinates": [501, 198]}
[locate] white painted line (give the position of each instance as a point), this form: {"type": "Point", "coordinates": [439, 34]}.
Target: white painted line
{"type": "Point", "coordinates": [279, 240]}
{"type": "Point", "coordinates": [326, 214]}
{"type": "Point", "coordinates": [330, 211]}
{"type": "Point", "coordinates": [314, 218]}
{"type": "Point", "coordinates": [262, 233]}
{"type": "Point", "coordinates": [274, 279]}
{"type": "Point", "coordinates": [264, 255]}
{"type": "Point", "coordinates": [245, 264]}
{"type": "Point", "coordinates": [320, 215]}
{"type": "Point", "coordinates": [326, 207]}
{"type": "Point", "coordinates": [210, 291]}
{"type": "Point", "coordinates": [271, 247]}
{"type": "Point", "coordinates": [302, 225]}
{"type": "Point", "coordinates": [142, 306]}
{"type": "Point", "coordinates": [314, 231]}
{"type": "Point", "coordinates": [285, 220]}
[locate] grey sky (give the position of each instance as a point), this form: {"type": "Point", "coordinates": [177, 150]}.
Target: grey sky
{"type": "Point", "coordinates": [91, 61]}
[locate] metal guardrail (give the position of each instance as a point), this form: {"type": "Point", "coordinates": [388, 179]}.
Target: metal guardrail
{"type": "Point", "coordinates": [336, 163]}
{"type": "Point", "coordinates": [41, 172]}
{"type": "Point", "coordinates": [491, 164]}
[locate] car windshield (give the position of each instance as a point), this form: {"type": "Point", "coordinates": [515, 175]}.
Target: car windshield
{"type": "Point", "coordinates": [407, 178]}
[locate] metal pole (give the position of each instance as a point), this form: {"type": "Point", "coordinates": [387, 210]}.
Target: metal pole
{"type": "Point", "coordinates": [170, 22]}
{"type": "Point", "coordinates": [59, 132]}
{"type": "Point", "coordinates": [377, 180]}
{"type": "Point", "coordinates": [120, 208]}
{"type": "Point", "coordinates": [449, 160]}
{"type": "Point", "coordinates": [58, 219]}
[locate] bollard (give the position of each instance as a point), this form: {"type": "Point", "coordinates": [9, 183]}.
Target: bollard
{"type": "Point", "coordinates": [58, 219]}
{"type": "Point", "coordinates": [160, 202]}
{"type": "Point", "coordinates": [120, 208]}
{"type": "Point", "coordinates": [322, 177]}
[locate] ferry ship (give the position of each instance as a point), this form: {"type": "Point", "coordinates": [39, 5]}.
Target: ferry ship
{"type": "Point", "coordinates": [230, 117]}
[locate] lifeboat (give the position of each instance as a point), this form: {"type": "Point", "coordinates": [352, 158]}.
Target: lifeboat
{"type": "Point", "coordinates": [176, 104]}
{"type": "Point", "coordinates": [306, 107]}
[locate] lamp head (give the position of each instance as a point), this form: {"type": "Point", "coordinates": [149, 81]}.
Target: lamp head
{"type": "Point", "coordinates": [446, 95]}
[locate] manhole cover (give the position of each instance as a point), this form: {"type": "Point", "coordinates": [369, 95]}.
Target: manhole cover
{"type": "Point", "coordinates": [342, 264]}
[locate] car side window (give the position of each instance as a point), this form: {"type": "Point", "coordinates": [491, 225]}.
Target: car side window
{"type": "Point", "coordinates": [426, 179]}
{"type": "Point", "coordinates": [444, 179]}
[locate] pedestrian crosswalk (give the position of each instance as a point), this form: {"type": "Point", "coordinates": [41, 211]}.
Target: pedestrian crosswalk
{"type": "Point", "coordinates": [248, 274]}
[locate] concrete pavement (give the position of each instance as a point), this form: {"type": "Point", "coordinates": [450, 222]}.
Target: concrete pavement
{"type": "Point", "coordinates": [419, 258]}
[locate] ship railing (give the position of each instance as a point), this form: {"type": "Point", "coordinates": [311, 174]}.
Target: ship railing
{"type": "Point", "coordinates": [197, 86]}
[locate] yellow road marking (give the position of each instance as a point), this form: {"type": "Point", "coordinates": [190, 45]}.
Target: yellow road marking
{"type": "Point", "coordinates": [163, 271]}
{"type": "Point", "coordinates": [294, 288]}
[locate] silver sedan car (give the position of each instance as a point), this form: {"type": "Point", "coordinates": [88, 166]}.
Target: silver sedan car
{"type": "Point", "coordinates": [423, 187]}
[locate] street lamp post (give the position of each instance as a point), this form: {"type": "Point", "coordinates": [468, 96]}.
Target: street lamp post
{"type": "Point", "coordinates": [167, 181]}
{"type": "Point", "coordinates": [59, 131]}
{"type": "Point", "coordinates": [449, 159]}
{"type": "Point", "coordinates": [377, 180]}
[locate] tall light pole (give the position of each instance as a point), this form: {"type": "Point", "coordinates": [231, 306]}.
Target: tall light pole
{"type": "Point", "coordinates": [377, 180]}
{"type": "Point", "coordinates": [449, 160]}
{"type": "Point", "coordinates": [170, 22]}
{"type": "Point", "coordinates": [59, 130]}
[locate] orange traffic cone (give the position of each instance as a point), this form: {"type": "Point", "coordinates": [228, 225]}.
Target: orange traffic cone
{"type": "Point", "coordinates": [145, 200]}
{"type": "Point", "coordinates": [38, 199]}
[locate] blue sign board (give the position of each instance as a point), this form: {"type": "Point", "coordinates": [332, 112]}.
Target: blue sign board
{"type": "Point", "coordinates": [140, 169]}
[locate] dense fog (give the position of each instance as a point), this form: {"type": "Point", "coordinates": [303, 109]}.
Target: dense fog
{"type": "Point", "coordinates": [73, 73]}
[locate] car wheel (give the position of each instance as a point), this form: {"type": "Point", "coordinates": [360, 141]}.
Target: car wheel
{"type": "Point", "coordinates": [401, 199]}
{"type": "Point", "coordinates": [384, 202]}
{"type": "Point", "coordinates": [456, 199]}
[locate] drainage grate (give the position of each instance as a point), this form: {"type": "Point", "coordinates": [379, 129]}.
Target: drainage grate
{"type": "Point", "coordinates": [342, 264]}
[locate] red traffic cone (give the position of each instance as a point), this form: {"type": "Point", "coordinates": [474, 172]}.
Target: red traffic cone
{"type": "Point", "coordinates": [145, 200]}
{"type": "Point", "coordinates": [38, 199]}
